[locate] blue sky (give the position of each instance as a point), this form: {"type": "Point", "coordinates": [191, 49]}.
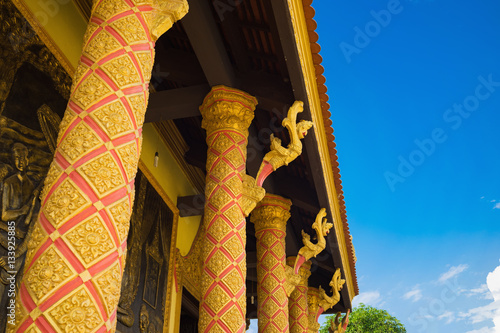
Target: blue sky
{"type": "Point", "coordinates": [415, 102]}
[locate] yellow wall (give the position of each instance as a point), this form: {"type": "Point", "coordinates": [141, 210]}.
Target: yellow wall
{"type": "Point", "coordinates": [171, 178]}
{"type": "Point", "coordinates": [62, 21]}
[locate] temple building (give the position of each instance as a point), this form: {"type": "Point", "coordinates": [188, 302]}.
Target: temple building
{"type": "Point", "coordinates": [168, 166]}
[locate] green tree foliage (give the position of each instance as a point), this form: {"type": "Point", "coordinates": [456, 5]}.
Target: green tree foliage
{"type": "Point", "coordinates": [367, 319]}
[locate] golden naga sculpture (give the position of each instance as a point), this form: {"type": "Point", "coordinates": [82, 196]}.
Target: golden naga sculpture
{"type": "Point", "coordinates": [310, 249]}
{"type": "Point", "coordinates": [279, 156]}
{"type": "Point", "coordinates": [337, 325]}
{"type": "Point", "coordinates": [326, 302]}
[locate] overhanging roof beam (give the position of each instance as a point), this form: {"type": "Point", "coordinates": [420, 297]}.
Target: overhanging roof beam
{"type": "Point", "coordinates": [207, 44]}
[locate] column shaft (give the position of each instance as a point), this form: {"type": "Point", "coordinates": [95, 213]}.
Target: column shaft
{"type": "Point", "coordinates": [227, 114]}
{"type": "Point", "coordinates": [270, 217]}
{"type": "Point", "coordinates": [76, 253]}
{"type": "Point", "coordinates": [297, 305]}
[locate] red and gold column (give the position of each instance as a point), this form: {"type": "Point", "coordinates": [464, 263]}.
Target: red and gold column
{"type": "Point", "coordinates": [270, 217]}
{"type": "Point", "coordinates": [76, 253]}
{"type": "Point", "coordinates": [297, 302]}
{"type": "Point", "coordinates": [227, 114]}
{"type": "Point", "coordinates": [313, 300]}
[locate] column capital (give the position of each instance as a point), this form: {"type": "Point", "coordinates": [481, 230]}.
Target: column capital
{"type": "Point", "coordinates": [227, 108]}
{"type": "Point", "coordinates": [272, 212]}
{"type": "Point", "coordinates": [165, 14]}
{"type": "Point", "coordinates": [304, 270]}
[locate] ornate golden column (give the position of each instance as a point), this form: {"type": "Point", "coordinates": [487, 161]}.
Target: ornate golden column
{"type": "Point", "coordinates": [313, 309]}
{"type": "Point", "coordinates": [76, 253]}
{"type": "Point", "coordinates": [227, 114]}
{"type": "Point", "coordinates": [270, 217]}
{"type": "Point", "coordinates": [297, 302]}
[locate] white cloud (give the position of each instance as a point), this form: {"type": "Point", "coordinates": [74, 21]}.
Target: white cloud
{"type": "Point", "coordinates": [482, 291]}
{"type": "Point", "coordinates": [490, 311]}
{"type": "Point", "coordinates": [497, 206]}
{"type": "Point", "coordinates": [369, 298]}
{"type": "Point", "coordinates": [448, 315]}
{"type": "Point", "coordinates": [414, 295]}
{"type": "Point", "coordinates": [483, 330]}
{"type": "Point", "coordinates": [453, 271]}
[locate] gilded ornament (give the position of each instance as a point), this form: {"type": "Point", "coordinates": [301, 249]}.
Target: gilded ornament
{"type": "Point", "coordinates": [227, 108]}
{"type": "Point", "coordinates": [279, 156]}
{"type": "Point", "coordinates": [120, 211]}
{"type": "Point", "coordinates": [109, 8]}
{"type": "Point", "coordinates": [67, 120]}
{"type": "Point", "coordinates": [309, 249]}
{"type": "Point", "coordinates": [113, 119]}
{"type": "Point", "coordinates": [76, 313]}
{"type": "Point", "coordinates": [37, 238]}
{"type": "Point", "coordinates": [138, 105]}
{"type": "Point", "coordinates": [90, 240]}
{"type": "Point", "coordinates": [130, 29]}
{"type": "Point", "coordinates": [166, 13]}
{"type": "Point", "coordinates": [90, 91]}
{"type": "Point", "coordinates": [146, 62]}
{"type": "Point", "coordinates": [64, 202]}
{"type": "Point", "coordinates": [78, 142]}
{"type": "Point", "coordinates": [52, 175]}
{"type": "Point", "coordinates": [252, 194]}
{"type": "Point", "coordinates": [337, 325]}
{"type": "Point", "coordinates": [47, 274]}
{"type": "Point", "coordinates": [122, 71]}
{"type": "Point", "coordinates": [108, 285]}
{"type": "Point", "coordinates": [103, 174]}
{"type": "Point", "coordinates": [326, 302]}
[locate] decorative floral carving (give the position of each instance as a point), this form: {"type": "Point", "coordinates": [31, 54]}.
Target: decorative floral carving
{"type": "Point", "coordinates": [90, 91]}
{"type": "Point", "coordinates": [227, 108]}
{"type": "Point", "coordinates": [139, 107]}
{"type": "Point", "coordinates": [122, 71]}
{"type": "Point", "coordinates": [69, 117]}
{"type": "Point", "coordinates": [120, 211]}
{"type": "Point", "coordinates": [54, 172]}
{"type": "Point", "coordinates": [65, 202]}
{"type": "Point", "coordinates": [103, 174]}
{"type": "Point", "coordinates": [79, 142]}
{"type": "Point", "coordinates": [109, 8]}
{"type": "Point", "coordinates": [77, 313]}
{"type": "Point", "coordinates": [130, 29]}
{"type": "Point", "coordinates": [48, 273]}
{"type": "Point", "coordinates": [108, 284]}
{"type": "Point", "coordinates": [128, 155]}
{"type": "Point", "coordinates": [37, 237]}
{"type": "Point", "coordinates": [114, 119]}
{"type": "Point", "coordinates": [90, 240]}
{"type": "Point", "coordinates": [146, 63]}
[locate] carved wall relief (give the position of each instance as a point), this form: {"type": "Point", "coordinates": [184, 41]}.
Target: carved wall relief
{"type": "Point", "coordinates": [144, 294]}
